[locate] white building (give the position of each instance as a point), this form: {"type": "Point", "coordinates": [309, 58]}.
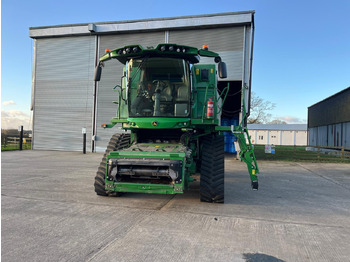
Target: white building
{"type": "Point", "coordinates": [279, 134]}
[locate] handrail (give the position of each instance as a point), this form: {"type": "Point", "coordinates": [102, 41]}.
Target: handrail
{"type": "Point", "coordinates": [223, 101]}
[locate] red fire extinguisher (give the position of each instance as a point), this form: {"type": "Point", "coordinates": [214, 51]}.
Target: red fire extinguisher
{"type": "Point", "coordinates": [210, 108]}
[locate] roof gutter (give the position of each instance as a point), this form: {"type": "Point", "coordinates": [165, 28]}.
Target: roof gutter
{"type": "Point", "coordinates": [203, 21]}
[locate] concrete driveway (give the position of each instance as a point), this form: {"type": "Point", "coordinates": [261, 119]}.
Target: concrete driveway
{"type": "Point", "coordinates": [50, 212]}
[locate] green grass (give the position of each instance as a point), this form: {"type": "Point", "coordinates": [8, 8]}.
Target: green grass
{"type": "Point", "coordinates": [298, 153]}
{"type": "Point", "coordinates": [12, 147]}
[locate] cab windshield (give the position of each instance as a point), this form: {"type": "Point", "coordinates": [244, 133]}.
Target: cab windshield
{"type": "Point", "coordinates": [158, 87]}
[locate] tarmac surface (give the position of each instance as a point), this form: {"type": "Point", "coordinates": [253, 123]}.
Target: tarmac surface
{"type": "Point", "coordinates": [50, 212]}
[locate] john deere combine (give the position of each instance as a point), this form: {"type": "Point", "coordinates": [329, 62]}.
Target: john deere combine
{"type": "Point", "coordinates": [171, 107]}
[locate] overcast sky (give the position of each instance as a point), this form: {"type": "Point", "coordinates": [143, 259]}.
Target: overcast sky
{"type": "Point", "coordinates": [301, 48]}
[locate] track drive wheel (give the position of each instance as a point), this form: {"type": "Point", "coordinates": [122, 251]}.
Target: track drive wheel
{"type": "Point", "coordinates": [212, 169]}
{"type": "Point", "coordinates": [117, 142]}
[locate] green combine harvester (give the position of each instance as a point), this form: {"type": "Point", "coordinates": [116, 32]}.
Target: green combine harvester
{"type": "Point", "coordinates": [171, 107]}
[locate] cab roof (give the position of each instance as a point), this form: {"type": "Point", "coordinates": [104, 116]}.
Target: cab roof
{"type": "Point", "coordinates": [124, 54]}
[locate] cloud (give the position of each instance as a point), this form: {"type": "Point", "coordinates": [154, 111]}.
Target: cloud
{"type": "Point", "coordinates": [11, 119]}
{"type": "Point", "coordinates": [292, 119]}
{"type": "Point", "coordinates": [6, 103]}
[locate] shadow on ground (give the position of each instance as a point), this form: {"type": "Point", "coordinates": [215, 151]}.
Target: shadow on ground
{"type": "Point", "coordinates": [257, 257]}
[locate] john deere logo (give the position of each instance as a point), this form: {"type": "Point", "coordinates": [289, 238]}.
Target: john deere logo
{"type": "Point", "coordinates": [154, 123]}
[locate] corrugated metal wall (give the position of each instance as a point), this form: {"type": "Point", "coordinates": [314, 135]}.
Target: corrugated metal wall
{"type": "Point", "coordinates": [111, 76]}
{"type": "Point", "coordinates": [346, 134]}
{"type": "Point", "coordinates": [335, 135]}
{"type": "Point", "coordinates": [227, 41]}
{"type": "Point", "coordinates": [63, 92]}
{"type": "Point", "coordinates": [333, 110]}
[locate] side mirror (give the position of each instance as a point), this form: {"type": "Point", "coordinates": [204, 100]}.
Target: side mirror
{"type": "Point", "coordinates": [222, 70]}
{"type": "Point", "coordinates": [98, 71]}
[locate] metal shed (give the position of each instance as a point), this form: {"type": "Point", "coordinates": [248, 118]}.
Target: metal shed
{"type": "Point", "coordinates": [329, 121]}
{"type": "Point", "coordinates": [65, 98]}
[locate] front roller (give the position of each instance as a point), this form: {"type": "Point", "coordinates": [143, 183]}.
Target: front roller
{"type": "Point", "coordinates": [117, 142]}
{"type": "Point", "coordinates": [212, 169]}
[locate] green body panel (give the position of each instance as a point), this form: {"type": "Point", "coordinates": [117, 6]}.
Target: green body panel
{"type": "Point", "coordinates": [116, 120]}
{"type": "Point", "coordinates": [204, 122]}
{"type": "Point", "coordinates": [204, 89]}
{"type": "Point", "coordinates": [155, 155]}
{"type": "Point", "coordinates": [165, 123]}
{"type": "Point", "coordinates": [158, 122]}
{"type": "Point", "coordinates": [207, 53]}
{"type": "Point", "coordinates": [145, 188]}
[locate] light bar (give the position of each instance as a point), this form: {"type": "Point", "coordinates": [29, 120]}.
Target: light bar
{"type": "Point", "coordinates": [171, 48]}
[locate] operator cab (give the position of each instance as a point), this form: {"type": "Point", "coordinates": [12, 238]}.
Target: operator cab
{"type": "Point", "coordinates": [158, 86]}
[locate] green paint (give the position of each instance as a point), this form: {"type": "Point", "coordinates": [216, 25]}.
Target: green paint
{"type": "Point", "coordinates": [158, 123]}
{"type": "Point", "coordinates": [147, 188]}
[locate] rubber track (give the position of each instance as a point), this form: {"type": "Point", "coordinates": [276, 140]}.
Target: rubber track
{"type": "Point", "coordinates": [212, 177]}
{"type": "Point", "coordinates": [117, 142]}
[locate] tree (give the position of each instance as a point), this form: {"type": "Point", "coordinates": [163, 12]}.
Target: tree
{"type": "Point", "coordinates": [277, 122]}
{"type": "Point", "coordinates": [259, 110]}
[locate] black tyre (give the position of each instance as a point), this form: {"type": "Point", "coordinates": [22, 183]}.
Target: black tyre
{"type": "Point", "coordinates": [212, 169]}
{"type": "Point", "coordinates": [117, 142]}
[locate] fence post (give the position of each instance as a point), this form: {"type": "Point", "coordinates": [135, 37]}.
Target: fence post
{"type": "Point", "coordinates": [83, 130]}
{"type": "Point", "coordinates": [318, 154]}
{"type": "Point", "coordinates": [342, 154]}
{"type": "Point", "coordinates": [21, 138]}
{"type": "Point", "coordinates": [4, 137]}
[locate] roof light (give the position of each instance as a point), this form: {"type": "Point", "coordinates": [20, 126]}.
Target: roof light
{"type": "Point", "coordinates": [104, 125]}
{"type": "Point", "coordinates": [205, 47]}
{"type": "Point", "coordinates": [108, 50]}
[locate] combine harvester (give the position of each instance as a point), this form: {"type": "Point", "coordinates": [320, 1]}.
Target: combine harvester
{"type": "Point", "coordinates": [171, 107]}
